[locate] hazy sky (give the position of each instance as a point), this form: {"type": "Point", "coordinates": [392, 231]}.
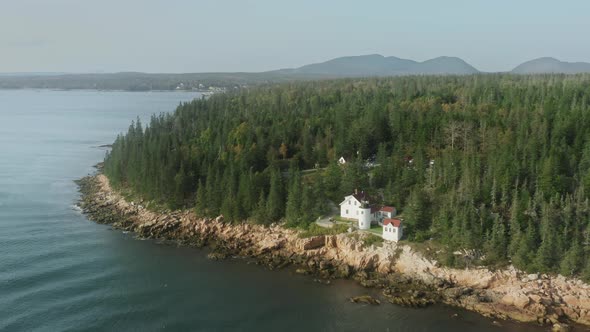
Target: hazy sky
{"type": "Point", "coordinates": [257, 35]}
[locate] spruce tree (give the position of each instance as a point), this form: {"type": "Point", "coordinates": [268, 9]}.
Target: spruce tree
{"type": "Point", "coordinates": [307, 206]}
{"type": "Point", "coordinates": [201, 200]}
{"type": "Point", "coordinates": [275, 202]}
{"type": "Point", "coordinates": [293, 209]}
{"type": "Point", "coordinates": [260, 214]}
{"type": "Point", "coordinates": [573, 260]}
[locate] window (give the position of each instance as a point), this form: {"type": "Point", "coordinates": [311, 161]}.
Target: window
{"type": "Point", "coordinates": [346, 211]}
{"type": "Point", "coordinates": [354, 202]}
{"type": "Point", "coordinates": [362, 212]}
{"type": "Point", "coordinates": [393, 230]}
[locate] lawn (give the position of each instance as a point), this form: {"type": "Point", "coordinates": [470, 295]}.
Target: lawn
{"type": "Point", "coordinates": [340, 219]}
{"type": "Point", "coordinates": [315, 230]}
{"type": "Point", "coordinates": [376, 229]}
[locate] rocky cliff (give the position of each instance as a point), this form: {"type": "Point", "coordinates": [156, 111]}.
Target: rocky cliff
{"type": "Point", "coordinates": [406, 277]}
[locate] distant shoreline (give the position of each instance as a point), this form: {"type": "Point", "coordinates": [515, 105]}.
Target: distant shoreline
{"type": "Point", "coordinates": [102, 90]}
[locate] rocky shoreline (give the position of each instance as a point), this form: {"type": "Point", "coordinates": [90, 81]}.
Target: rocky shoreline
{"type": "Point", "coordinates": [404, 276]}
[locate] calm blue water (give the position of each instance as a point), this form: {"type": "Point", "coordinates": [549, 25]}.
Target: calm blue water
{"type": "Point", "coordinates": [60, 272]}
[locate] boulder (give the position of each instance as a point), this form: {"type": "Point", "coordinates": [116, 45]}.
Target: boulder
{"type": "Point", "coordinates": [453, 293]}
{"type": "Point", "coordinates": [518, 300]}
{"type": "Point", "coordinates": [313, 242]}
{"type": "Point", "coordinates": [342, 271]}
{"type": "Point", "coordinates": [560, 327]}
{"type": "Point", "coordinates": [270, 244]}
{"type": "Point", "coordinates": [571, 313]}
{"type": "Point", "coordinates": [571, 301]}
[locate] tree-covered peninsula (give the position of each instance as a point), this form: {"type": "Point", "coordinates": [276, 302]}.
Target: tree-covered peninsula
{"type": "Point", "coordinates": [497, 163]}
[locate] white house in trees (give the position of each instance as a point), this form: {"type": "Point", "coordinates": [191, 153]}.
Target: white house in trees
{"type": "Point", "coordinates": [358, 207]}
{"type": "Point", "coordinates": [392, 229]}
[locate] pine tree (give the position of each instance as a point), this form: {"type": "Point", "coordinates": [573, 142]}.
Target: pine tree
{"type": "Point", "coordinates": [245, 201]}
{"type": "Point", "coordinates": [525, 254]}
{"type": "Point", "coordinates": [307, 206]}
{"type": "Point", "coordinates": [201, 200]}
{"type": "Point", "coordinates": [585, 274]}
{"type": "Point", "coordinates": [496, 244]}
{"type": "Point", "coordinates": [332, 180]}
{"type": "Point", "coordinates": [179, 186]}
{"type": "Point", "coordinates": [260, 215]}
{"type": "Point", "coordinates": [417, 214]}
{"type": "Point", "coordinates": [228, 207]}
{"type": "Point", "coordinates": [515, 226]}
{"type": "Point", "coordinates": [573, 260]}
{"type": "Point", "coordinates": [293, 209]}
{"type": "Point", "coordinates": [548, 252]}
{"type": "Point", "coordinates": [275, 202]}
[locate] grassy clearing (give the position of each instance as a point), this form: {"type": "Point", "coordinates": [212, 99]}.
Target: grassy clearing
{"type": "Point", "coordinates": [445, 256]}
{"type": "Point", "coordinates": [378, 230]}
{"type": "Point", "coordinates": [371, 239]}
{"type": "Point", "coordinates": [367, 239]}
{"type": "Point", "coordinates": [340, 219]}
{"type": "Point", "coordinates": [428, 249]}
{"type": "Point", "coordinates": [315, 230]}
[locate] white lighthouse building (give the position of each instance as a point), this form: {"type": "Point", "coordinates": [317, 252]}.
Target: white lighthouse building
{"type": "Point", "coordinates": [358, 207]}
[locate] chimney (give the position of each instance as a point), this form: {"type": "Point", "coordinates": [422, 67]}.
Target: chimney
{"type": "Point", "coordinates": [356, 191]}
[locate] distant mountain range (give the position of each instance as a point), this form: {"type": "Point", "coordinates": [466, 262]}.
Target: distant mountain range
{"type": "Point", "coordinates": [551, 65]}
{"type": "Point", "coordinates": [349, 66]}
{"type": "Point", "coordinates": [378, 65]}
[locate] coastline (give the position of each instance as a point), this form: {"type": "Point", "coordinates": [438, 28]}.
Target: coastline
{"type": "Point", "coordinates": [405, 276]}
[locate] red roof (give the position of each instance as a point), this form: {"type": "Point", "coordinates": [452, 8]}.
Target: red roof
{"type": "Point", "coordinates": [394, 222]}
{"type": "Point", "coordinates": [362, 196]}
{"type": "Point", "coordinates": [389, 209]}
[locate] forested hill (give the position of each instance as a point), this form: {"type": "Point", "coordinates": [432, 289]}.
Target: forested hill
{"type": "Point", "coordinates": [499, 163]}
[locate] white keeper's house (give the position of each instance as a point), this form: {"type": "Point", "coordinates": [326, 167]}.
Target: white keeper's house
{"type": "Point", "coordinates": [358, 207]}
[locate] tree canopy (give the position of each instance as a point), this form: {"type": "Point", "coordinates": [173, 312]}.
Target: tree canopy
{"type": "Point", "coordinates": [499, 163]}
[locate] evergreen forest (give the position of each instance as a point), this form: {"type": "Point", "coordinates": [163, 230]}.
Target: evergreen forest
{"type": "Point", "coordinates": [498, 163]}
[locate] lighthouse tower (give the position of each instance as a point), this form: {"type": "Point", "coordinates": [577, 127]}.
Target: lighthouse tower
{"type": "Point", "coordinates": [364, 216]}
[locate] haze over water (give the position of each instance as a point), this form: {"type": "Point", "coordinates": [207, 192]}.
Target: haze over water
{"type": "Point", "coordinates": [60, 272]}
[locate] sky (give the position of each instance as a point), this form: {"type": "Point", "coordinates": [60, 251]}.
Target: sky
{"type": "Point", "coordinates": [257, 35]}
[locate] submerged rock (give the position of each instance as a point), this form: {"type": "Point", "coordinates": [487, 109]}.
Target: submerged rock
{"type": "Point", "coordinates": [560, 327]}
{"type": "Point", "coordinates": [217, 256]}
{"type": "Point", "coordinates": [366, 299]}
